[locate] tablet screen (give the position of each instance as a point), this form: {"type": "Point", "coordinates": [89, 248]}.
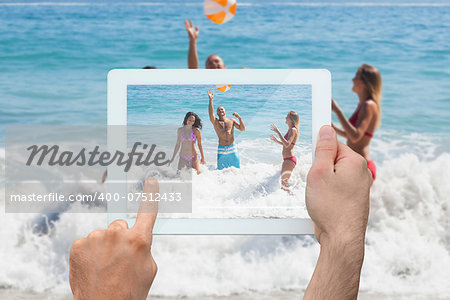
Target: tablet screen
{"type": "Point", "coordinates": [241, 177]}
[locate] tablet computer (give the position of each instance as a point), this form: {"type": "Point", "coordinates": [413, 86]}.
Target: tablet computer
{"type": "Point", "coordinates": [239, 187]}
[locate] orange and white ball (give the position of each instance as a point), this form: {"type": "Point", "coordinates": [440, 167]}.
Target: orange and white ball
{"type": "Point", "coordinates": [223, 87]}
{"type": "Point", "coordinates": [220, 11]}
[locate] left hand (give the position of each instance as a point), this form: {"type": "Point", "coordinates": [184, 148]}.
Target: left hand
{"type": "Point", "coordinates": [273, 138]}
{"type": "Point", "coordinates": [202, 161]}
{"type": "Point", "coordinates": [236, 115]}
{"type": "Point", "coordinates": [274, 128]}
{"type": "Point", "coordinates": [116, 263]}
{"type": "Point", "coordinates": [334, 106]}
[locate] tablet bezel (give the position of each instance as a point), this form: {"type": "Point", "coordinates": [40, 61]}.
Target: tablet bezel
{"type": "Point", "coordinates": [120, 79]}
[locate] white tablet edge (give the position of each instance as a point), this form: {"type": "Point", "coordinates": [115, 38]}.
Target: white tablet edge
{"type": "Point", "coordinates": [120, 79]}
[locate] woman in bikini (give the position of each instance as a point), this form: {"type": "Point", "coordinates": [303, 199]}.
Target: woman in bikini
{"type": "Point", "coordinates": [186, 137]}
{"type": "Point", "coordinates": [288, 143]}
{"type": "Point", "coordinates": [359, 129]}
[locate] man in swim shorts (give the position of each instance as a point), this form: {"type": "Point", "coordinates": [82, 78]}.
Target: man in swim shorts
{"type": "Point", "coordinates": [212, 62]}
{"type": "Point", "coordinates": [227, 155]}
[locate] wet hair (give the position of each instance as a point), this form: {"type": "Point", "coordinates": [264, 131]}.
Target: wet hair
{"type": "Point", "coordinates": [149, 67]}
{"type": "Point", "coordinates": [372, 79]}
{"type": "Point", "coordinates": [197, 123]}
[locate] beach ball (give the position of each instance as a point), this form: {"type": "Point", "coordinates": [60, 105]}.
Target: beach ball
{"type": "Point", "coordinates": [223, 87]}
{"type": "Point", "coordinates": [220, 11]}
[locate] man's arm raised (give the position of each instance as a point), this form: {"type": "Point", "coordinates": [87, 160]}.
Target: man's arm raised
{"type": "Point", "coordinates": [193, 35]}
{"type": "Point", "coordinates": [211, 107]}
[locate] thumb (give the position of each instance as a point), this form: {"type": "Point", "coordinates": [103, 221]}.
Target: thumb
{"type": "Point", "coordinates": [326, 150]}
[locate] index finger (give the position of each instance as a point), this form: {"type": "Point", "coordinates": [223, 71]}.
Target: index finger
{"type": "Point", "coordinates": [148, 211]}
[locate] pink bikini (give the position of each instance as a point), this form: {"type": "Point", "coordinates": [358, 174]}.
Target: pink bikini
{"type": "Point", "coordinates": [370, 163]}
{"type": "Point", "coordinates": [190, 139]}
{"type": "Point", "coordinates": [292, 158]}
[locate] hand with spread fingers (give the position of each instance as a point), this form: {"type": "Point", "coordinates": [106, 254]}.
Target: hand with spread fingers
{"type": "Point", "coordinates": [116, 263]}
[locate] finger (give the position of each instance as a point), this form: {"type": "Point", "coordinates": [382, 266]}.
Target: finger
{"type": "Point", "coordinates": [347, 159]}
{"type": "Point", "coordinates": [186, 24]}
{"type": "Point", "coordinates": [118, 224]}
{"type": "Point", "coordinates": [190, 22]}
{"type": "Point", "coordinates": [148, 210]}
{"type": "Point", "coordinates": [326, 151]}
{"type": "Point", "coordinates": [196, 29]}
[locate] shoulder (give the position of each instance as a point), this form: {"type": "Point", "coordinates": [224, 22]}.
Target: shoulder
{"type": "Point", "coordinates": [197, 131]}
{"type": "Point", "coordinates": [369, 107]}
{"type": "Point", "coordinates": [294, 129]}
{"type": "Point", "coordinates": [179, 129]}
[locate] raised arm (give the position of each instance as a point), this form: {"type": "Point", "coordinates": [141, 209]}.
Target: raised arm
{"type": "Point", "coordinates": [286, 143]}
{"type": "Point", "coordinates": [193, 35]}
{"type": "Point", "coordinates": [198, 135]}
{"type": "Point", "coordinates": [211, 107]}
{"type": "Point", "coordinates": [239, 125]}
{"type": "Point", "coordinates": [355, 133]}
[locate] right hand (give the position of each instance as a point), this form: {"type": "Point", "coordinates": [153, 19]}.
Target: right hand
{"type": "Point", "coordinates": [192, 32]}
{"type": "Point", "coordinates": [210, 95]}
{"type": "Point", "coordinates": [337, 191]}
{"type": "Point", "coordinates": [274, 128]}
{"type": "Point", "coordinates": [273, 138]}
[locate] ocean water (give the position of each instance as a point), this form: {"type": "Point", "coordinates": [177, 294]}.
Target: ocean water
{"type": "Point", "coordinates": [54, 59]}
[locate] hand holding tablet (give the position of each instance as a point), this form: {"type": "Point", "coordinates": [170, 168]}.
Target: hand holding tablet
{"type": "Point", "coordinates": [248, 200]}
{"type": "Point", "coordinates": [337, 201]}
{"type": "Point", "coordinates": [337, 198]}
{"type": "Point", "coordinates": [337, 192]}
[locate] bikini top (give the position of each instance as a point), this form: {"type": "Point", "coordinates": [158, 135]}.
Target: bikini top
{"type": "Point", "coordinates": [190, 139]}
{"type": "Point", "coordinates": [353, 120]}
{"type": "Point", "coordinates": [287, 135]}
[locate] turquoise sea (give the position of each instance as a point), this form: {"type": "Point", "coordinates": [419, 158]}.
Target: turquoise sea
{"type": "Point", "coordinates": [54, 59]}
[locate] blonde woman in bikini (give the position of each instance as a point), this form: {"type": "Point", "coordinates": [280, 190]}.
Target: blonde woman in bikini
{"type": "Point", "coordinates": [186, 138]}
{"type": "Point", "coordinates": [288, 143]}
{"type": "Point", "coordinates": [359, 129]}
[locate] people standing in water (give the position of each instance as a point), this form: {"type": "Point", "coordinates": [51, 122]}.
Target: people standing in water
{"type": "Point", "coordinates": [186, 138]}
{"type": "Point", "coordinates": [359, 129]}
{"type": "Point", "coordinates": [288, 143]}
{"type": "Point", "coordinates": [213, 61]}
{"type": "Point", "coordinates": [227, 155]}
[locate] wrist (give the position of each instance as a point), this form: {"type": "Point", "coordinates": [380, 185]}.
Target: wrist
{"type": "Point", "coordinates": [345, 244]}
